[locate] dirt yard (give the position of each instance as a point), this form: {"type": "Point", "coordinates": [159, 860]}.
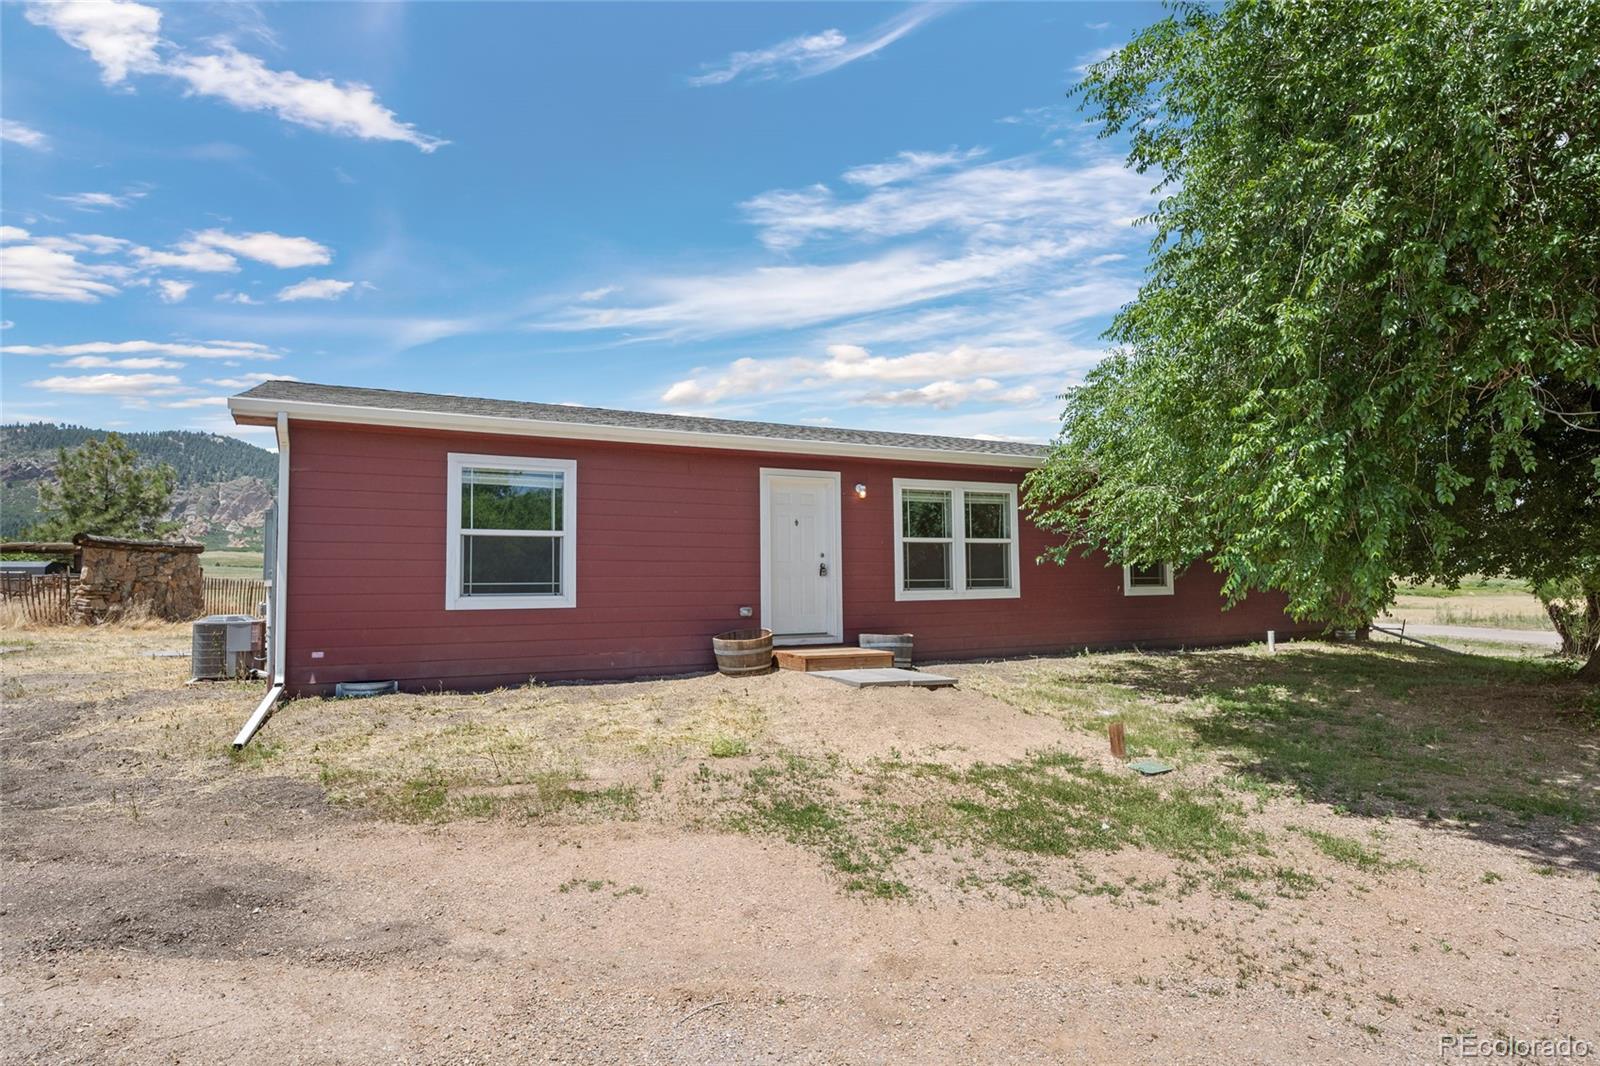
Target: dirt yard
{"type": "Point", "coordinates": [1360, 850]}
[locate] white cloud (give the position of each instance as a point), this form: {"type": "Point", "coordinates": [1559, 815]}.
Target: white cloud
{"type": "Point", "coordinates": [908, 165]}
{"type": "Point", "coordinates": [47, 268]}
{"type": "Point", "coordinates": [934, 291]}
{"type": "Point", "coordinates": [124, 38]}
{"type": "Point", "coordinates": [100, 244]}
{"type": "Point", "coordinates": [848, 367]}
{"type": "Point", "coordinates": [112, 384]}
{"type": "Point", "coordinates": [247, 379]}
{"type": "Point", "coordinates": [186, 255]}
{"type": "Point", "coordinates": [351, 109]}
{"type": "Point", "coordinates": [977, 279]}
{"type": "Point", "coordinates": [315, 289]}
{"type": "Point", "coordinates": [271, 248]}
{"type": "Point", "coordinates": [811, 54]}
{"type": "Point", "coordinates": [215, 349]}
{"type": "Point", "coordinates": [1002, 201]}
{"type": "Point", "coordinates": [121, 37]}
{"type": "Point", "coordinates": [231, 297]}
{"type": "Point", "coordinates": [197, 401]}
{"type": "Point", "coordinates": [173, 291]}
{"type": "Point", "coordinates": [947, 394]}
{"type": "Point", "coordinates": [791, 296]}
{"type": "Point", "coordinates": [94, 201]}
{"type": "Point", "coordinates": [591, 295]}
{"type": "Point", "coordinates": [95, 362]}
{"type": "Point", "coordinates": [764, 63]}
{"type": "Point", "coordinates": [15, 132]}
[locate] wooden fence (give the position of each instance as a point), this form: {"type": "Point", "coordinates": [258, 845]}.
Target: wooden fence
{"type": "Point", "coordinates": [45, 599]}
{"type": "Point", "coordinates": [235, 595]}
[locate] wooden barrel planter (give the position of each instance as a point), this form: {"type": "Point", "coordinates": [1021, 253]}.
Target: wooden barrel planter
{"type": "Point", "coordinates": [742, 652]}
{"type": "Point", "coordinates": [898, 644]}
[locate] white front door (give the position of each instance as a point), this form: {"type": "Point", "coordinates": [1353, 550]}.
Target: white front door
{"type": "Point", "coordinates": [800, 561]}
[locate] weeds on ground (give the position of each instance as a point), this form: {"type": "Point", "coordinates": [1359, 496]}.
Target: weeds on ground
{"type": "Point", "coordinates": [1349, 851]}
{"type": "Point", "coordinates": [1374, 730]}
{"type": "Point", "coordinates": [873, 822]}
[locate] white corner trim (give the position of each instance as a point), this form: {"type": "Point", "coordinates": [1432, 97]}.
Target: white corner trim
{"type": "Point", "coordinates": [456, 462]}
{"type": "Point", "coordinates": [1129, 589]}
{"type": "Point", "coordinates": [249, 406]}
{"type": "Point", "coordinates": [280, 568]}
{"type": "Point", "coordinates": [834, 478]}
{"type": "Point", "coordinates": [958, 540]}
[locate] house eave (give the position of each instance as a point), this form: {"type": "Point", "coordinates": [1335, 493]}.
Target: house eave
{"type": "Point", "coordinates": [248, 410]}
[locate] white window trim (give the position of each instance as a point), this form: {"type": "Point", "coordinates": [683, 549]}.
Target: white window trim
{"type": "Point", "coordinates": [453, 599]}
{"type": "Point", "coordinates": [958, 541]}
{"type": "Point", "coordinates": [1130, 589]}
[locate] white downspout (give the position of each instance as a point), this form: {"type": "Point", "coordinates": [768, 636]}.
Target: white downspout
{"type": "Point", "coordinates": [280, 596]}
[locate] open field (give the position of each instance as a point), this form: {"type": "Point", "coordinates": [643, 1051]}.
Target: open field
{"type": "Point", "coordinates": [1498, 603]}
{"type": "Point", "coordinates": [1360, 849]}
{"type": "Point", "coordinates": [222, 562]}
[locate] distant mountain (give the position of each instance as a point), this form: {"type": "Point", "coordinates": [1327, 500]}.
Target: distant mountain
{"type": "Point", "coordinates": [224, 484]}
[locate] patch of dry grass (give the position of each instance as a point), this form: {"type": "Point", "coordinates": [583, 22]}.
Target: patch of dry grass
{"type": "Point", "coordinates": [1496, 604]}
{"type": "Point", "coordinates": [527, 752]}
{"type": "Point", "coordinates": [1375, 731]}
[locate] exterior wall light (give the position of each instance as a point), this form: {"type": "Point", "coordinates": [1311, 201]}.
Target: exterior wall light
{"type": "Point", "coordinates": [861, 490]}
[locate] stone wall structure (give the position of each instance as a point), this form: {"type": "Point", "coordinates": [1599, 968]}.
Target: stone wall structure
{"type": "Point", "coordinates": [119, 576]}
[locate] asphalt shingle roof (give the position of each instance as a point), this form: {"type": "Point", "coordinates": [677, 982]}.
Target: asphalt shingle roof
{"type": "Point", "coordinates": [387, 399]}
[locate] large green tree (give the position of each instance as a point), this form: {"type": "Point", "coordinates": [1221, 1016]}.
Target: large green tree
{"type": "Point", "coordinates": [1367, 346]}
{"type": "Point", "coordinates": [100, 488]}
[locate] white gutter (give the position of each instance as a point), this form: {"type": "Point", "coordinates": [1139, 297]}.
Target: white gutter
{"type": "Point", "coordinates": [280, 596]}
{"type": "Point", "coordinates": [533, 427]}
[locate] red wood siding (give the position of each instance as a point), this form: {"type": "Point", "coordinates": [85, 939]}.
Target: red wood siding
{"type": "Point", "coordinates": [668, 549]}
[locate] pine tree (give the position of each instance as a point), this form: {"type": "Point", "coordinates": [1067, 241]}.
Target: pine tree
{"type": "Point", "coordinates": [100, 488]}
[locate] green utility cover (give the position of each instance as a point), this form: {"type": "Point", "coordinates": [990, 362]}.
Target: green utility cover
{"type": "Point", "coordinates": [1150, 767]}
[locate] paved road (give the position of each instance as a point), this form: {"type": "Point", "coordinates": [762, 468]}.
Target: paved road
{"type": "Point", "coordinates": [1544, 638]}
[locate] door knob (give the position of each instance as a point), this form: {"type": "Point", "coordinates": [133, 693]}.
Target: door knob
{"type": "Point", "coordinates": [822, 569]}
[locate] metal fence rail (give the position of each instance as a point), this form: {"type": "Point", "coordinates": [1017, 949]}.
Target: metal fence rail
{"type": "Point", "coordinates": [235, 595]}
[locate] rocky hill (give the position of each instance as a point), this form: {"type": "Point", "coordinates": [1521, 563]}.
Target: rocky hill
{"type": "Point", "coordinates": [224, 485]}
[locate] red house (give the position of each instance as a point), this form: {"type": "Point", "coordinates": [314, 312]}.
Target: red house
{"type": "Point", "coordinates": [444, 541]}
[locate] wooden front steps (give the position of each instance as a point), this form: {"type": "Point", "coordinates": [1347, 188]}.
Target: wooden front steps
{"type": "Point", "coordinates": [808, 659]}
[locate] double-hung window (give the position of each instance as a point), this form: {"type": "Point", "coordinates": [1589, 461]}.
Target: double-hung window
{"type": "Point", "coordinates": [511, 538]}
{"type": "Point", "coordinates": [955, 540]}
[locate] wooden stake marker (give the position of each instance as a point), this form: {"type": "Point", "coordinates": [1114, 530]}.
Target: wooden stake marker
{"type": "Point", "coordinates": [1119, 740]}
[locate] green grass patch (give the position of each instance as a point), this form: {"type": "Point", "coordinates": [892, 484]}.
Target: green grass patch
{"type": "Point", "coordinates": [439, 796]}
{"type": "Point", "coordinates": [1370, 730]}
{"type": "Point", "coordinates": [871, 823]}
{"type": "Point", "coordinates": [723, 747]}
{"type": "Point", "coordinates": [1349, 851]}
{"type": "Point", "coordinates": [255, 755]}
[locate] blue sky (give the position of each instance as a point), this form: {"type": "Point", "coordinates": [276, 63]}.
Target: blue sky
{"type": "Point", "coordinates": [883, 216]}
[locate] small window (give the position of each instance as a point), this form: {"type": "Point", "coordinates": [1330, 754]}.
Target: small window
{"type": "Point", "coordinates": [954, 540]}
{"type": "Point", "coordinates": [510, 541]}
{"type": "Point", "coordinates": [1147, 579]}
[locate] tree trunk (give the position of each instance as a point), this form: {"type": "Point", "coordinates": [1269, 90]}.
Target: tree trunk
{"type": "Point", "coordinates": [1558, 618]}
{"type": "Point", "coordinates": [1580, 635]}
{"type": "Point", "coordinates": [1590, 671]}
